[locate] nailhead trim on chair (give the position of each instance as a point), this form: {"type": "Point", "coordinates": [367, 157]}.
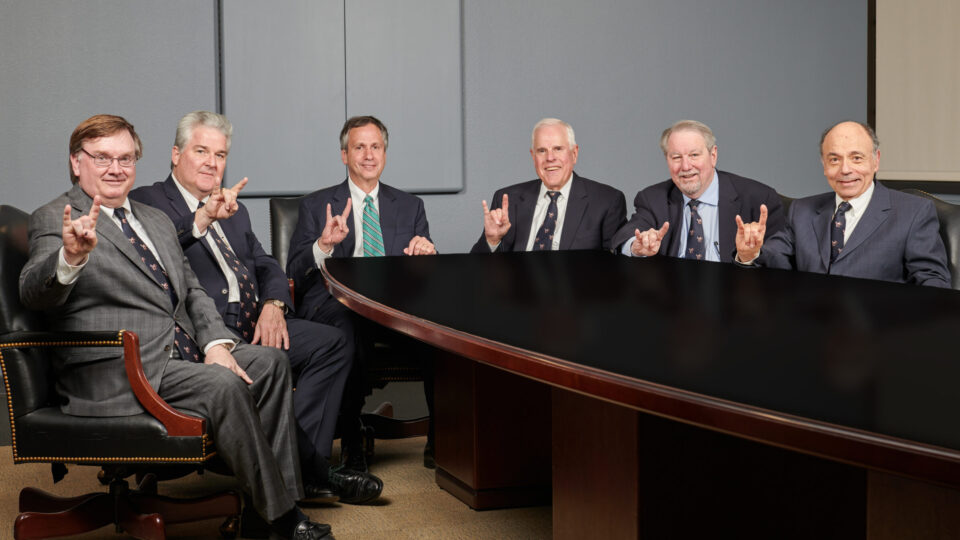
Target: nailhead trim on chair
{"type": "Point", "coordinates": [47, 459]}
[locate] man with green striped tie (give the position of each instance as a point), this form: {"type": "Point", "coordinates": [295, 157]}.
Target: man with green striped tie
{"type": "Point", "coordinates": [359, 217]}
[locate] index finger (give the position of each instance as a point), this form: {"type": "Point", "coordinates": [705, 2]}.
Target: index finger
{"type": "Point", "coordinates": [329, 214]}
{"type": "Point", "coordinates": [763, 215]}
{"type": "Point", "coordinates": [95, 211]}
{"type": "Point", "coordinates": [239, 185]}
{"type": "Point", "coordinates": [67, 216]}
{"type": "Point", "coordinates": [739, 224]}
{"type": "Point", "coordinates": [663, 230]}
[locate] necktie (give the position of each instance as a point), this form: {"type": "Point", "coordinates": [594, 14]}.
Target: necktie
{"type": "Point", "coordinates": [185, 344]}
{"type": "Point", "coordinates": [544, 239]}
{"type": "Point", "coordinates": [839, 223]}
{"type": "Point", "coordinates": [695, 249]}
{"type": "Point", "coordinates": [372, 237]}
{"type": "Point", "coordinates": [249, 309]}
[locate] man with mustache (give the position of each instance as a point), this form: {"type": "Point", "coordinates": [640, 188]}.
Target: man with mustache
{"type": "Point", "coordinates": [693, 215]}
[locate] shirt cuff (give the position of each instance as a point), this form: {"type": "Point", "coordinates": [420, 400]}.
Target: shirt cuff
{"type": "Point", "coordinates": [196, 231]}
{"type": "Point", "coordinates": [493, 247]}
{"type": "Point", "coordinates": [319, 255]}
{"type": "Point", "coordinates": [231, 344]}
{"type": "Point", "coordinates": [67, 274]}
{"type": "Point", "coordinates": [627, 248]}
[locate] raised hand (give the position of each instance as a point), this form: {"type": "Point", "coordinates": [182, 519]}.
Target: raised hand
{"type": "Point", "coordinates": [647, 243]}
{"type": "Point", "coordinates": [750, 236]}
{"type": "Point", "coordinates": [496, 222]}
{"type": "Point", "coordinates": [335, 229]}
{"type": "Point", "coordinates": [419, 246]}
{"type": "Point", "coordinates": [80, 235]}
{"type": "Point", "coordinates": [221, 205]}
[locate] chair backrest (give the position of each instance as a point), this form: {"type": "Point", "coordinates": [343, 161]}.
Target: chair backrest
{"type": "Point", "coordinates": [949, 216]}
{"type": "Point", "coordinates": [284, 212]}
{"type": "Point", "coordinates": [786, 202]}
{"type": "Point", "coordinates": [27, 370]}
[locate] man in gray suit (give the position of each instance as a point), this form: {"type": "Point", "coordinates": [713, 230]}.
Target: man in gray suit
{"type": "Point", "coordinates": [860, 229]}
{"type": "Point", "coordinates": [125, 269]}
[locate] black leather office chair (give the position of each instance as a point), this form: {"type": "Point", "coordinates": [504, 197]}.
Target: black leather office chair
{"type": "Point", "coordinates": [786, 201]}
{"type": "Point", "coordinates": [388, 364]}
{"type": "Point", "coordinates": [949, 216]}
{"type": "Point", "coordinates": [159, 440]}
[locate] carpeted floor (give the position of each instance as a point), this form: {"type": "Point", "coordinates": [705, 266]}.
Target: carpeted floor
{"type": "Point", "coordinates": [412, 506]}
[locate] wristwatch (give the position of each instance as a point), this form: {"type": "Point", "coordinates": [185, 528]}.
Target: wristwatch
{"type": "Point", "coordinates": [278, 303]}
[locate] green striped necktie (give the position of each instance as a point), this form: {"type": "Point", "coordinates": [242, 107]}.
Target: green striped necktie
{"type": "Point", "coordinates": [372, 238]}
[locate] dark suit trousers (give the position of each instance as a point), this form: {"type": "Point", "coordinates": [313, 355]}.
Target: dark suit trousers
{"type": "Point", "coordinates": [252, 426]}
{"type": "Point", "coordinates": [321, 357]}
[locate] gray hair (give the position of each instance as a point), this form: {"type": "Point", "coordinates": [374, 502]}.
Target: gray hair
{"type": "Point", "coordinates": [209, 119]}
{"type": "Point", "coordinates": [866, 127]}
{"type": "Point", "coordinates": [688, 125]}
{"type": "Point", "coordinates": [571, 138]}
{"type": "Point", "coordinates": [360, 121]}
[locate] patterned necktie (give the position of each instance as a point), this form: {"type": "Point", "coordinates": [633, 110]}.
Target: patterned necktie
{"type": "Point", "coordinates": [249, 309]}
{"type": "Point", "coordinates": [544, 239]}
{"type": "Point", "coordinates": [695, 249]}
{"type": "Point", "coordinates": [372, 237]}
{"type": "Point", "coordinates": [839, 223]}
{"type": "Point", "coordinates": [185, 344]}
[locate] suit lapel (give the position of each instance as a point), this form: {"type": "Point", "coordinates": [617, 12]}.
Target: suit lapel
{"type": "Point", "coordinates": [180, 209]}
{"type": "Point", "coordinates": [726, 213]}
{"type": "Point", "coordinates": [388, 219]}
{"type": "Point", "coordinates": [675, 213]}
{"type": "Point", "coordinates": [876, 214]}
{"type": "Point", "coordinates": [525, 208]}
{"type": "Point", "coordinates": [576, 207]}
{"type": "Point", "coordinates": [167, 247]}
{"type": "Point", "coordinates": [821, 227]}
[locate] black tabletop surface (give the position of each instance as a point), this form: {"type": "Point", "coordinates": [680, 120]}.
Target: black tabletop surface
{"type": "Point", "coordinates": [871, 355]}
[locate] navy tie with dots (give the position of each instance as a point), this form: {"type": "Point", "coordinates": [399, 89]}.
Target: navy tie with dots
{"type": "Point", "coordinates": [185, 344]}
{"type": "Point", "coordinates": [837, 227]}
{"type": "Point", "coordinates": [249, 308]}
{"type": "Point", "coordinates": [544, 239]}
{"type": "Point", "coordinates": [695, 247]}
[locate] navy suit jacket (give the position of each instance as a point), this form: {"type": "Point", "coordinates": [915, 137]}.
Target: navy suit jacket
{"type": "Point", "coordinates": [897, 239]}
{"type": "Point", "coordinates": [269, 278]}
{"type": "Point", "coordinates": [738, 195]}
{"type": "Point", "coordinates": [594, 212]}
{"type": "Point", "coordinates": [401, 218]}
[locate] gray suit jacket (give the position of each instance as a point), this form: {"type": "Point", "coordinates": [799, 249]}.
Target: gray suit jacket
{"type": "Point", "coordinates": [114, 291]}
{"type": "Point", "coordinates": [897, 239]}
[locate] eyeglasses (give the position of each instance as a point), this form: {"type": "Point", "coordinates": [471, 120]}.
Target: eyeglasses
{"type": "Point", "coordinates": [103, 161]}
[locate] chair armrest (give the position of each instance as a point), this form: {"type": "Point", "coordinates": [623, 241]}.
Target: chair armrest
{"type": "Point", "coordinates": [176, 423]}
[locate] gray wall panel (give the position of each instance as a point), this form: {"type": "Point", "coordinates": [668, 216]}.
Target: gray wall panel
{"type": "Point", "coordinates": [284, 92]}
{"type": "Point", "coordinates": [403, 66]}
{"type": "Point", "coordinates": [64, 61]}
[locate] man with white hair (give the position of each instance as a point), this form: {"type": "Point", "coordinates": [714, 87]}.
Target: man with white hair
{"type": "Point", "coordinates": [560, 210]}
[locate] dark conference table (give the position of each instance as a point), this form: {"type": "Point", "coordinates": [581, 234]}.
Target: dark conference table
{"type": "Point", "coordinates": [668, 398]}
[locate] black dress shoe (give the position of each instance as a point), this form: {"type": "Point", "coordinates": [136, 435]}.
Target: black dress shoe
{"type": "Point", "coordinates": [319, 493]}
{"type": "Point", "coordinates": [311, 530]}
{"type": "Point", "coordinates": [355, 487]}
{"type": "Point", "coordinates": [353, 458]}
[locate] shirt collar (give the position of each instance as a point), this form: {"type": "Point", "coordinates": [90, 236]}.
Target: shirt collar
{"type": "Point", "coordinates": [564, 191]}
{"type": "Point", "coordinates": [192, 202]}
{"type": "Point", "coordinates": [859, 203]}
{"type": "Point", "coordinates": [109, 211]}
{"type": "Point", "coordinates": [359, 194]}
{"type": "Point", "coordinates": [711, 196]}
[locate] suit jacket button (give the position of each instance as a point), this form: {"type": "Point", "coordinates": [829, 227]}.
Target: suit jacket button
{"type": "Point", "coordinates": [166, 349]}
{"type": "Point", "coordinates": [224, 291]}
